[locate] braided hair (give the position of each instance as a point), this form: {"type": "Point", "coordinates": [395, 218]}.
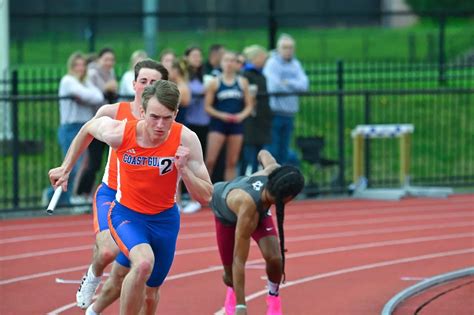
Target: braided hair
{"type": "Point", "coordinates": [283, 182]}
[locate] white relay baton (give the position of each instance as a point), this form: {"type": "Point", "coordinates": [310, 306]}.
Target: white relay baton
{"type": "Point", "coordinates": [54, 200]}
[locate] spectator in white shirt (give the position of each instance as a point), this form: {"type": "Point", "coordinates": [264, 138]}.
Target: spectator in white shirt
{"type": "Point", "coordinates": [126, 90]}
{"type": "Point", "coordinates": [79, 100]}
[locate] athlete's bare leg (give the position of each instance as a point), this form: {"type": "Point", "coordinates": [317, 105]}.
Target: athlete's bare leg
{"type": "Point", "coordinates": [215, 142]}
{"type": "Point", "coordinates": [271, 253]}
{"type": "Point", "coordinates": [111, 289]}
{"type": "Point", "coordinates": [105, 251]}
{"type": "Point", "coordinates": [234, 145]}
{"type": "Point", "coordinates": [134, 284]}
{"type": "Point", "coordinates": [151, 301]}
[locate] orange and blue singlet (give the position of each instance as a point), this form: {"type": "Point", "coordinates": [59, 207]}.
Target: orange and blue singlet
{"type": "Point", "coordinates": [145, 210]}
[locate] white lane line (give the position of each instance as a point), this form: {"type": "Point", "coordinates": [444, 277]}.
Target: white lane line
{"type": "Point", "coordinates": [340, 211]}
{"type": "Point", "coordinates": [78, 281]}
{"type": "Point", "coordinates": [193, 273]}
{"type": "Point", "coordinates": [420, 227]}
{"type": "Point", "coordinates": [357, 268]}
{"type": "Point", "coordinates": [351, 222]}
{"type": "Point", "coordinates": [375, 221]}
{"type": "Point", "coordinates": [380, 220]}
{"type": "Point", "coordinates": [47, 252]}
{"type": "Point", "coordinates": [288, 227]}
{"type": "Point", "coordinates": [323, 209]}
{"type": "Point", "coordinates": [67, 281]}
{"type": "Point", "coordinates": [381, 244]}
{"type": "Point", "coordinates": [402, 209]}
{"type": "Point", "coordinates": [89, 247]}
{"type": "Point", "coordinates": [54, 224]}
{"type": "Point", "coordinates": [170, 278]}
{"type": "Point", "coordinates": [43, 274]}
{"type": "Point", "coordinates": [43, 236]}
{"type": "Point", "coordinates": [195, 250]}
{"type": "Point", "coordinates": [304, 254]}
{"type": "Point", "coordinates": [255, 266]}
{"type": "Point", "coordinates": [288, 240]}
{"type": "Point", "coordinates": [413, 278]}
{"type": "Point", "coordinates": [46, 274]}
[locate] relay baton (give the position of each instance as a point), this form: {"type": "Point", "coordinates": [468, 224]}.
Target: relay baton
{"type": "Point", "coordinates": [54, 200]}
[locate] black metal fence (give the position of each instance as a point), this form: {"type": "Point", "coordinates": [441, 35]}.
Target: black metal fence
{"type": "Point", "coordinates": [439, 102]}
{"type": "Point", "coordinates": [325, 34]}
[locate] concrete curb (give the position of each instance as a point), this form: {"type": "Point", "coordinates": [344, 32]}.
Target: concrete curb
{"type": "Point", "coordinates": [423, 285]}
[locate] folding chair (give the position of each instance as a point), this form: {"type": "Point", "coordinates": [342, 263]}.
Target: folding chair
{"type": "Point", "coordinates": [311, 150]}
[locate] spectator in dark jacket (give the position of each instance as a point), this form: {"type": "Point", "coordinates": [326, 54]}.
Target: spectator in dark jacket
{"type": "Point", "coordinates": [213, 63]}
{"type": "Point", "coordinates": [257, 127]}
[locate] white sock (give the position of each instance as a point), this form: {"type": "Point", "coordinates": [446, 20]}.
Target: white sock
{"type": "Point", "coordinates": [273, 288]}
{"type": "Point", "coordinates": [90, 311]}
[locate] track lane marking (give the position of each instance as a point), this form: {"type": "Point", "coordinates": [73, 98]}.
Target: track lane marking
{"type": "Point", "coordinates": [288, 239]}
{"type": "Point", "coordinates": [288, 227]}
{"type": "Point", "coordinates": [312, 253]}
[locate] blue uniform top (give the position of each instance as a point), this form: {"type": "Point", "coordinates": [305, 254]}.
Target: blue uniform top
{"type": "Point", "coordinates": [229, 98]}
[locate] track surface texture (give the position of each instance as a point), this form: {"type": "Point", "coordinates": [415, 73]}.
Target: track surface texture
{"type": "Point", "coordinates": [344, 256]}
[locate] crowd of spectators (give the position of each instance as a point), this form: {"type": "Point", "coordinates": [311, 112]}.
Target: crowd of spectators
{"type": "Point", "coordinates": [225, 100]}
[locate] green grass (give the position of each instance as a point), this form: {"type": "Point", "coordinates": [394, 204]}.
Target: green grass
{"type": "Point", "coordinates": [313, 44]}
{"type": "Point", "coordinates": [441, 143]}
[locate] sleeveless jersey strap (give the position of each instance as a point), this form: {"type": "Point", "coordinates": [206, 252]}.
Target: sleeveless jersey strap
{"type": "Point", "coordinates": [129, 135]}
{"type": "Point", "coordinates": [122, 108]}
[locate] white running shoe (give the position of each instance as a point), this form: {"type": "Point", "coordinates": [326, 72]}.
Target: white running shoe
{"type": "Point", "coordinates": [191, 207]}
{"type": "Point", "coordinates": [87, 289]}
{"type": "Point", "coordinates": [90, 311]}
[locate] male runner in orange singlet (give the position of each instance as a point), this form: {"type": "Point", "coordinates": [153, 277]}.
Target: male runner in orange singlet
{"type": "Point", "coordinates": [144, 219]}
{"type": "Point", "coordinates": [105, 250]}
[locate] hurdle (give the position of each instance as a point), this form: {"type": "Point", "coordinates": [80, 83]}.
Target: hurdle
{"type": "Point", "coordinates": [359, 187]}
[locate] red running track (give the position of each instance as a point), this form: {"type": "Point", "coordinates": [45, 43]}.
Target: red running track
{"type": "Point", "coordinates": [344, 257]}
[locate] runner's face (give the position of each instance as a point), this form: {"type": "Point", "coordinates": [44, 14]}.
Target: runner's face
{"type": "Point", "coordinates": [158, 119]}
{"type": "Point", "coordinates": [145, 77]}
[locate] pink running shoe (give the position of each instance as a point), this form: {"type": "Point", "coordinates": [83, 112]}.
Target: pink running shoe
{"type": "Point", "coordinates": [230, 302]}
{"type": "Point", "coordinates": [274, 305]}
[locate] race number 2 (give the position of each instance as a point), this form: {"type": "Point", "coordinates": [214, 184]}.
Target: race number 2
{"type": "Point", "coordinates": [166, 165]}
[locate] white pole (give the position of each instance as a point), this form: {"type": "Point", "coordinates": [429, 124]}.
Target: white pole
{"type": "Point", "coordinates": [397, 20]}
{"type": "Point", "coordinates": [5, 112]}
{"type": "Point", "coordinates": [150, 27]}
{"type": "Point", "coordinates": [211, 20]}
